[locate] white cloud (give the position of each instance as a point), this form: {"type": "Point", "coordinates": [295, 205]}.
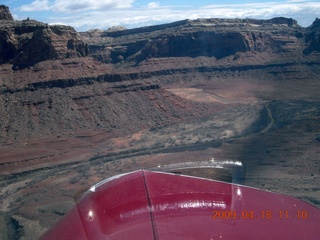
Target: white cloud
{"type": "Point", "coordinates": [304, 11]}
{"type": "Point", "coordinates": [154, 5]}
{"type": "Point", "coordinates": [297, 1]}
{"type": "Point", "coordinates": [88, 14]}
{"type": "Point", "coordinates": [81, 5]}
{"type": "Point", "coordinates": [37, 5]}
{"type": "Point", "coordinates": [75, 6]}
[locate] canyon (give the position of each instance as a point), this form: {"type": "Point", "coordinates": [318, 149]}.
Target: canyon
{"type": "Point", "coordinates": [78, 107]}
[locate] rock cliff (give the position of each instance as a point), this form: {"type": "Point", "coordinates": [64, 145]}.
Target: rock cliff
{"type": "Point", "coordinates": [5, 13]}
{"type": "Point", "coordinates": [218, 38]}
{"type": "Point", "coordinates": [25, 43]}
{"type": "Point", "coordinates": [312, 38]}
{"type": "Point", "coordinates": [51, 63]}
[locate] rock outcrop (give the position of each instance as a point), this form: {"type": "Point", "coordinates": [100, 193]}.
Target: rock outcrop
{"type": "Point", "coordinates": [5, 13]}
{"type": "Point", "coordinates": [25, 43]}
{"type": "Point", "coordinates": [218, 38]}
{"type": "Point", "coordinates": [312, 39]}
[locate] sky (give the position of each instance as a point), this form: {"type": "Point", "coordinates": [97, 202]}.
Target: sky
{"type": "Point", "coordinates": [84, 15]}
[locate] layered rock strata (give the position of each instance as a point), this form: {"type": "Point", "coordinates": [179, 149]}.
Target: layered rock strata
{"type": "Point", "coordinates": [25, 43]}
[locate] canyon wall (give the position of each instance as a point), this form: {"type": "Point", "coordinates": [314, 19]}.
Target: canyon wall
{"type": "Point", "coordinates": [55, 80]}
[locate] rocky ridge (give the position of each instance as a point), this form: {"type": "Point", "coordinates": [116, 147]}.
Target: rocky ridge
{"type": "Point", "coordinates": [312, 38]}
{"type": "Point", "coordinates": [5, 13]}
{"type": "Point", "coordinates": [217, 38]}
{"type": "Point", "coordinates": [25, 43]}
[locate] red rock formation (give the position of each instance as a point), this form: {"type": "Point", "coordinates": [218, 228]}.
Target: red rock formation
{"type": "Point", "coordinates": [218, 38]}
{"type": "Point", "coordinates": [148, 57]}
{"type": "Point", "coordinates": [25, 43]}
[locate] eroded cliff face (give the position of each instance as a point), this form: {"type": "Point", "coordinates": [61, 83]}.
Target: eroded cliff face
{"type": "Point", "coordinates": [5, 13]}
{"type": "Point", "coordinates": [25, 43]}
{"type": "Point", "coordinates": [312, 39]}
{"type": "Point", "coordinates": [218, 38]}
{"type": "Point", "coordinates": [63, 90]}
{"type": "Point", "coordinates": [63, 85]}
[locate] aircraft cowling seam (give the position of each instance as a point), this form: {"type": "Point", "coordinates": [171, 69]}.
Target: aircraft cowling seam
{"type": "Point", "coordinates": [150, 209]}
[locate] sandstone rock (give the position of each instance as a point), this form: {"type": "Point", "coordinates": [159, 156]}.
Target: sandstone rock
{"type": "Point", "coordinates": [218, 38]}
{"type": "Point", "coordinates": [5, 13]}
{"type": "Point", "coordinates": [25, 43]}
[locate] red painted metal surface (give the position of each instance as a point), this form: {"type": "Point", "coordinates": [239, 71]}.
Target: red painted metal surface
{"type": "Point", "coordinates": [156, 205]}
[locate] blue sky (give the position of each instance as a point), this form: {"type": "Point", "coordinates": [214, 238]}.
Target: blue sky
{"type": "Point", "coordinates": [90, 14]}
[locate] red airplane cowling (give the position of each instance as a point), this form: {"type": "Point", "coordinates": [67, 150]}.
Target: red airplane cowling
{"type": "Point", "coordinates": [164, 206]}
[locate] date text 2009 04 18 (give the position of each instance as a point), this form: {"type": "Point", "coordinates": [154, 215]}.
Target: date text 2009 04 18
{"type": "Point", "coordinates": [263, 214]}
